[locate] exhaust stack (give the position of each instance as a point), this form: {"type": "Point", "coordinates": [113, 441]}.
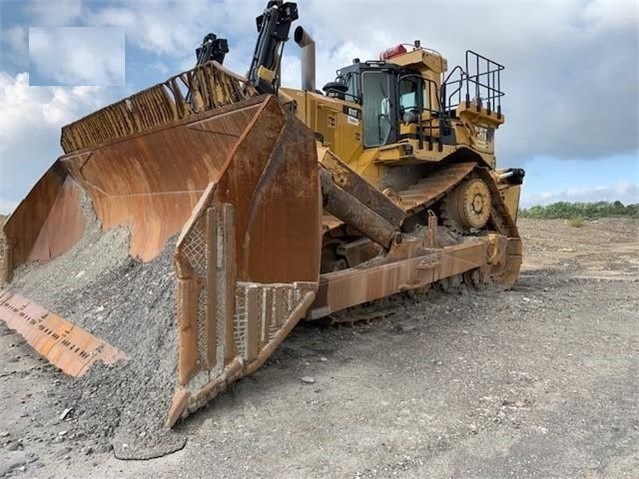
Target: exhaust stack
{"type": "Point", "coordinates": [307, 44]}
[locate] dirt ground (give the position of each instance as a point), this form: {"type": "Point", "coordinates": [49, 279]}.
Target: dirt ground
{"type": "Point", "coordinates": [541, 381]}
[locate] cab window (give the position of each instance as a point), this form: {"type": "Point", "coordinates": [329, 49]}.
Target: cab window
{"type": "Point", "coordinates": [411, 94]}
{"type": "Point", "coordinates": [352, 94]}
{"type": "Point", "coordinates": [377, 116]}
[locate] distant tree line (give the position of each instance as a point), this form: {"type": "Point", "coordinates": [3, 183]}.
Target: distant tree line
{"type": "Point", "coordinates": [566, 210]}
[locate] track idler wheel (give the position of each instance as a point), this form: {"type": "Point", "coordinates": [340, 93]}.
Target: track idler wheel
{"type": "Point", "coordinates": [469, 204]}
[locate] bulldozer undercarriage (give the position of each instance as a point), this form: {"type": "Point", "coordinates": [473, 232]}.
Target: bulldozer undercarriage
{"type": "Point", "coordinates": [272, 229]}
{"type": "Point", "coordinates": [469, 205]}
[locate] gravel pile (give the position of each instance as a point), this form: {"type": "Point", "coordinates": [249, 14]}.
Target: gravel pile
{"type": "Point", "coordinates": [130, 304]}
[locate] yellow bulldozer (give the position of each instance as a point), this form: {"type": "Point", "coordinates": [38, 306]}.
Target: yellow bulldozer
{"type": "Point", "coordinates": [283, 204]}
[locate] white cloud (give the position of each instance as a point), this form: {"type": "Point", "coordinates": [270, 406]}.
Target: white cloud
{"type": "Point", "coordinates": [59, 13]}
{"type": "Point", "coordinates": [607, 14]}
{"type": "Point", "coordinates": [174, 28]}
{"type": "Point", "coordinates": [30, 122]}
{"type": "Point", "coordinates": [76, 56]}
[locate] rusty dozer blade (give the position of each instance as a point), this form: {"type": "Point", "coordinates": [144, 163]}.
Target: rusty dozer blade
{"type": "Point", "coordinates": [234, 174]}
{"type": "Point", "coordinates": [144, 161]}
{"type": "Point", "coordinates": [69, 347]}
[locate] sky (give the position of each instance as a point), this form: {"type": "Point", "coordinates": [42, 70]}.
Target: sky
{"type": "Point", "coordinates": [64, 56]}
{"type": "Point", "coordinates": [571, 78]}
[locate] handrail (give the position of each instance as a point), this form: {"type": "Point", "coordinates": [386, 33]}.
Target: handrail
{"type": "Point", "coordinates": [484, 66]}
{"type": "Point", "coordinates": [482, 76]}
{"type": "Point", "coordinates": [447, 101]}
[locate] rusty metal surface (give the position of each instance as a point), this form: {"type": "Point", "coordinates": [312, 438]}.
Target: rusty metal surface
{"type": "Point", "coordinates": [209, 85]}
{"type": "Point", "coordinates": [354, 213]}
{"type": "Point", "coordinates": [64, 225]}
{"type": "Point", "coordinates": [153, 154]}
{"type": "Point", "coordinates": [343, 289]}
{"type": "Point", "coordinates": [422, 194]}
{"type": "Point", "coordinates": [23, 226]}
{"type": "Point", "coordinates": [271, 181]}
{"type": "Point", "coordinates": [356, 186]}
{"type": "Point", "coordinates": [241, 185]}
{"type": "Point", "coordinates": [246, 260]}
{"type": "Point", "coordinates": [151, 182]}
{"type": "Point", "coordinates": [46, 223]}
{"type": "Point", "coordinates": [70, 348]}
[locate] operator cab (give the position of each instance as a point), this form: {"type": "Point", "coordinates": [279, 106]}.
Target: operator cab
{"type": "Point", "coordinates": [405, 97]}
{"type": "Point", "coordinates": [388, 94]}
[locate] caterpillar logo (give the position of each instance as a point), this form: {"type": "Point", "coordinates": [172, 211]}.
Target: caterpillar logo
{"type": "Point", "coordinates": [352, 112]}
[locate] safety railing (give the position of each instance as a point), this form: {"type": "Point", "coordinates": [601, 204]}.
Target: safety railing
{"type": "Point", "coordinates": [479, 84]}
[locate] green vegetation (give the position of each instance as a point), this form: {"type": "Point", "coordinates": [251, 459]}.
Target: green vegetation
{"type": "Point", "coordinates": [578, 212]}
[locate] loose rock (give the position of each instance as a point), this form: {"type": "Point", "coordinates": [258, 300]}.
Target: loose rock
{"type": "Point", "coordinates": [14, 446]}
{"type": "Point", "coordinates": [65, 413]}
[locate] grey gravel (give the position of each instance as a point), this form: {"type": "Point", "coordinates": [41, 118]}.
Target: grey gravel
{"type": "Point", "coordinates": [98, 286]}
{"type": "Point", "coordinates": [399, 395]}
